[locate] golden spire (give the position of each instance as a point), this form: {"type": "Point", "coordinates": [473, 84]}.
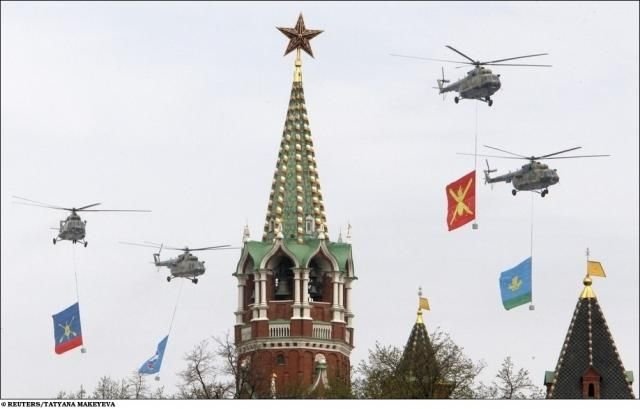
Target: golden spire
{"type": "Point", "coordinates": [422, 303]}
{"type": "Point", "coordinates": [587, 292]}
{"type": "Point", "coordinates": [297, 72]}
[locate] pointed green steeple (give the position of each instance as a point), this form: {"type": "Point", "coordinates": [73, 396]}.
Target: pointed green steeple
{"type": "Point", "coordinates": [295, 203]}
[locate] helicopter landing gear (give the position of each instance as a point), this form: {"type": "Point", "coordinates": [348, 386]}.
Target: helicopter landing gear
{"type": "Point", "coordinates": [168, 279]}
{"type": "Point", "coordinates": [456, 100]}
{"type": "Point", "coordinates": [544, 192]}
{"type": "Point", "coordinates": [489, 101]}
{"type": "Point", "coordinates": [513, 192]}
{"type": "Point", "coordinates": [85, 243]}
{"type": "Point", "coordinates": [194, 281]}
{"type": "Point", "coordinates": [54, 241]}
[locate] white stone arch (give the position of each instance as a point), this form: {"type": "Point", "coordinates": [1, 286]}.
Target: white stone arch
{"type": "Point", "coordinates": [324, 252]}
{"type": "Point", "coordinates": [268, 258]}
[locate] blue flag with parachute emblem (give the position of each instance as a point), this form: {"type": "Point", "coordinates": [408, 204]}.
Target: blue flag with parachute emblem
{"type": "Point", "coordinates": [152, 365]}
{"type": "Point", "coordinates": [515, 285]}
{"type": "Point", "coordinates": [66, 329]}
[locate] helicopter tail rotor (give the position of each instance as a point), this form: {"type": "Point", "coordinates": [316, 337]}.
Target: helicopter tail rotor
{"type": "Point", "coordinates": [156, 257]}
{"type": "Point", "coordinates": [487, 173]}
{"type": "Point", "coordinates": [441, 82]}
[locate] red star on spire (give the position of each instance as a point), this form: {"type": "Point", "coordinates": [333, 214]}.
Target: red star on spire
{"type": "Point", "coordinates": [299, 36]}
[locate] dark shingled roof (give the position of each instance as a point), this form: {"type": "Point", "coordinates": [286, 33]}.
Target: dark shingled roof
{"type": "Point", "coordinates": [418, 360]}
{"type": "Point", "coordinates": [589, 344]}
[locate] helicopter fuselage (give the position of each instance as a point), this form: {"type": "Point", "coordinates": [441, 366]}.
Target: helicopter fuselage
{"type": "Point", "coordinates": [184, 266]}
{"type": "Point", "coordinates": [531, 177]}
{"type": "Point", "coordinates": [72, 229]}
{"type": "Point", "coordinates": [480, 83]}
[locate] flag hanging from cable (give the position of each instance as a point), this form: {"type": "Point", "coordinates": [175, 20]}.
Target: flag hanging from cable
{"type": "Point", "coordinates": [461, 201]}
{"type": "Point", "coordinates": [594, 269]}
{"type": "Point", "coordinates": [152, 365]}
{"type": "Point", "coordinates": [424, 304]}
{"type": "Point", "coordinates": [515, 285]}
{"type": "Point", "coordinates": [66, 329]}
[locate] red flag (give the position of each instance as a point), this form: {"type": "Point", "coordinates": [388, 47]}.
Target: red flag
{"type": "Point", "coordinates": [461, 199]}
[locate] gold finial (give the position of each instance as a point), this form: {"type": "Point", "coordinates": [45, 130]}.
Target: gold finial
{"type": "Point", "coordinates": [321, 234]}
{"type": "Point", "coordinates": [279, 235]}
{"type": "Point", "coordinates": [423, 303]}
{"type": "Point", "coordinates": [245, 233]}
{"type": "Point", "coordinates": [297, 72]}
{"type": "Point", "coordinates": [587, 292]}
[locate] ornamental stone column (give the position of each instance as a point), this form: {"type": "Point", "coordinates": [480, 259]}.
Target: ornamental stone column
{"type": "Point", "coordinates": [306, 308]}
{"type": "Point", "coordinates": [296, 293]}
{"type": "Point", "coordinates": [242, 281]}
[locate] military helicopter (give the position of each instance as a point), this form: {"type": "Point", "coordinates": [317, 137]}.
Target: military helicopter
{"type": "Point", "coordinates": [533, 176]}
{"type": "Point", "coordinates": [480, 83]}
{"type": "Point", "coordinates": [72, 228]}
{"type": "Point", "coordinates": [186, 265]}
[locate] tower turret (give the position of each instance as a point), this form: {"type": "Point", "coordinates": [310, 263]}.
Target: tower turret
{"type": "Point", "coordinates": [294, 318]}
{"type": "Point", "coordinates": [589, 366]}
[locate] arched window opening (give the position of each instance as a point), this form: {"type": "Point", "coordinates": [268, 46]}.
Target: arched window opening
{"type": "Point", "coordinates": [315, 281]}
{"type": "Point", "coordinates": [283, 280]}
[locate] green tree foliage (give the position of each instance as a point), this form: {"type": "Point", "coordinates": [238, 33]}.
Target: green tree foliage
{"type": "Point", "coordinates": [213, 372]}
{"type": "Point", "coordinates": [445, 371]}
{"type": "Point", "coordinates": [510, 383]}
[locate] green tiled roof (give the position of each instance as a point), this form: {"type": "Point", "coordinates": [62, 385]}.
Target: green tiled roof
{"type": "Point", "coordinates": [302, 252]}
{"type": "Point", "coordinates": [257, 250]}
{"type": "Point", "coordinates": [341, 252]}
{"type": "Point", "coordinates": [295, 191]}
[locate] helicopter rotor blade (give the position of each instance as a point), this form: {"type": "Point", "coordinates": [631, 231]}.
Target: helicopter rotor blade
{"type": "Point", "coordinates": [557, 153]}
{"type": "Point", "coordinates": [464, 55]}
{"type": "Point", "coordinates": [112, 210]}
{"type": "Point", "coordinates": [492, 156]}
{"type": "Point", "coordinates": [428, 59]}
{"type": "Point", "coordinates": [579, 156]}
{"type": "Point", "coordinates": [40, 204]}
{"type": "Point", "coordinates": [138, 244]}
{"type": "Point", "coordinates": [510, 153]}
{"type": "Point", "coordinates": [222, 247]}
{"type": "Point", "coordinates": [521, 65]}
{"type": "Point", "coordinates": [512, 58]}
{"type": "Point", "coordinates": [87, 206]}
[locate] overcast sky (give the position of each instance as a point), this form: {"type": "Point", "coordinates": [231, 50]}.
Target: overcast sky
{"type": "Point", "coordinates": [179, 108]}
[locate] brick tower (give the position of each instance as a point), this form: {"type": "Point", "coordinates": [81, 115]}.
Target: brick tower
{"type": "Point", "coordinates": [293, 329]}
